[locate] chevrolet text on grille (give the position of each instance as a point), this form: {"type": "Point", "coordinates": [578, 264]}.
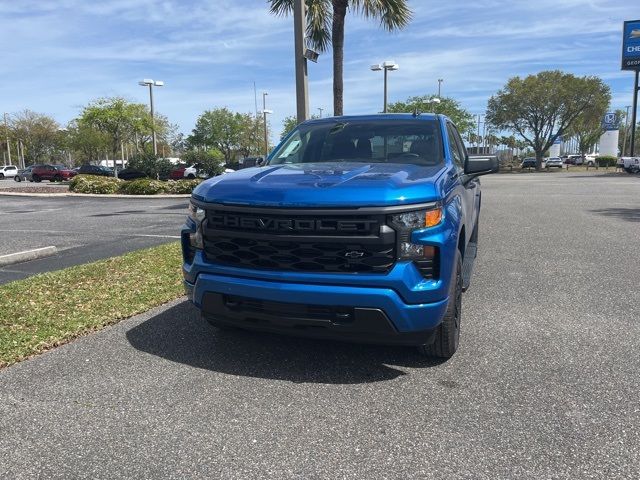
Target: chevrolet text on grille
{"type": "Point", "coordinates": [288, 224]}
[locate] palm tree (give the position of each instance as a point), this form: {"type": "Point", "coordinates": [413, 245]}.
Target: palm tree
{"type": "Point", "coordinates": [325, 26]}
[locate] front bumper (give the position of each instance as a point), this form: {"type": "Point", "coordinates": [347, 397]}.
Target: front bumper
{"type": "Point", "coordinates": [210, 291]}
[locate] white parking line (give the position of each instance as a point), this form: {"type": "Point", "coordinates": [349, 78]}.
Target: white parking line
{"type": "Point", "coordinates": [82, 232]}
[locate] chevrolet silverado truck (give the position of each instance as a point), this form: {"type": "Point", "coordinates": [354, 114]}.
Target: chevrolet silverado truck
{"type": "Point", "coordinates": [357, 228]}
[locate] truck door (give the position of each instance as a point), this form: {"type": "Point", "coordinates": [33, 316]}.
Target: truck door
{"type": "Point", "coordinates": [469, 190]}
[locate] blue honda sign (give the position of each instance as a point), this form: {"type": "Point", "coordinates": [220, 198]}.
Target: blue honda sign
{"type": "Point", "coordinates": [610, 121]}
{"type": "Point", "coordinates": [631, 45]}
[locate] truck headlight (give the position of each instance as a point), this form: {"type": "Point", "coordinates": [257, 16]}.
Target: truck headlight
{"type": "Point", "coordinates": [418, 219]}
{"type": "Point", "coordinates": [425, 257]}
{"type": "Point", "coordinates": [197, 214]}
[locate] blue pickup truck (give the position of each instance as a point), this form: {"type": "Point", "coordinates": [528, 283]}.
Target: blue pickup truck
{"type": "Point", "coordinates": [357, 228]}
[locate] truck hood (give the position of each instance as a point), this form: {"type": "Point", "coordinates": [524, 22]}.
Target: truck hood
{"type": "Point", "coordinates": [335, 184]}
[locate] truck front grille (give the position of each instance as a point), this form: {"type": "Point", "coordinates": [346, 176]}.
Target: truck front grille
{"type": "Point", "coordinates": [302, 243]}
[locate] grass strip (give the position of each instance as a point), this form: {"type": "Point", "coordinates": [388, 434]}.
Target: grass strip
{"type": "Point", "coordinates": [50, 309]}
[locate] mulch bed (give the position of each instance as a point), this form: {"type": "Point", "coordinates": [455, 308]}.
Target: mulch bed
{"type": "Point", "coordinates": [38, 189]}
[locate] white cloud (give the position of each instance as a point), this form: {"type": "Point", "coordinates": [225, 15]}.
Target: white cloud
{"type": "Point", "coordinates": [58, 55]}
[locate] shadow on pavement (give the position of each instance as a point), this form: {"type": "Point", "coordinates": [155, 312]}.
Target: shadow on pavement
{"type": "Point", "coordinates": [628, 214]}
{"type": "Point", "coordinates": [180, 335]}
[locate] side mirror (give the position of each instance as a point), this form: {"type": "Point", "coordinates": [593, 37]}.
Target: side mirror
{"type": "Point", "coordinates": [481, 165]}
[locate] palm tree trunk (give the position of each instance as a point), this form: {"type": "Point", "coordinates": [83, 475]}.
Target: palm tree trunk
{"type": "Point", "coordinates": [337, 42]}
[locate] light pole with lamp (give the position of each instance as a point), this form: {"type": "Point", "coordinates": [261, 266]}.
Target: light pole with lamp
{"type": "Point", "coordinates": [264, 119]}
{"type": "Point", "coordinates": [386, 66]}
{"type": "Point", "coordinates": [147, 82]}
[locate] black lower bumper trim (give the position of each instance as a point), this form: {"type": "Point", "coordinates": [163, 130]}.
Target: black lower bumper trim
{"type": "Point", "coordinates": [353, 324]}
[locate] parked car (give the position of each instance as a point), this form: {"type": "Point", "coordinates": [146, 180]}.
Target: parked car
{"type": "Point", "coordinates": [554, 162]}
{"type": "Point", "coordinates": [529, 162]}
{"type": "Point", "coordinates": [8, 171]}
{"type": "Point", "coordinates": [53, 173]}
{"type": "Point", "coordinates": [192, 171]}
{"type": "Point", "coordinates": [573, 159]}
{"type": "Point", "coordinates": [590, 160]}
{"type": "Point", "coordinates": [95, 170]}
{"type": "Point", "coordinates": [24, 174]}
{"type": "Point", "coordinates": [178, 172]}
{"type": "Point", "coordinates": [631, 164]}
{"type": "Point", "coordinates": [250, 162]}
{"type": "Point", "coordinates": [130, 174]}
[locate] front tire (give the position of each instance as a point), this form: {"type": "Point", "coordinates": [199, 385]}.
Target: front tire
{"type": "Point", "coordinates": [447, 336]}
{"type": "Point", "coordinates": [17, 178]}
{"type": "Point", "coordinates": [37, 179]}
{"type": "Point", "coordinates": [1, 176]}
{"type": "Point", "coordinates": [57, 178]}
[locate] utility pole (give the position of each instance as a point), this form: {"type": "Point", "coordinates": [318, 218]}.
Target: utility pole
{"type": "Point", "coordinates": [440, 80]}
{"type": "Point", "coordinates": [320, 110]}
{"type": "Point", "coordinates": [302, 88]}
{"type": "Point", "coordinates": [626, 129]}
{"type": "Point", "coordinates": [478, 137]}
{"type": "Point", "coordinates": [6, 131]}
{"type": "Point", "coordinates": [264, 120]}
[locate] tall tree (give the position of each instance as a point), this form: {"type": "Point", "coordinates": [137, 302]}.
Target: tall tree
{"type": "Point", "coordinates": [86, 142]}
{"type": "Point", "coordinates": [40, 135]}
{"type": "Point", "coordinates": [447, 106]}
{"type": "Point", "coordinates": [325, 26]}
{"type": "Point", "coordinates": [230, 132]}
{"type": "Point", "coordinates": [587, 131]}
{"type": "Point", "coordinates": [540, 108]}
{"type": "Point", "coordinates": [118, 119]}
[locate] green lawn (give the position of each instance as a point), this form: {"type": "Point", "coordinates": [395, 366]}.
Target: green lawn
{"type": "Point", "coordinates": [46, 310]}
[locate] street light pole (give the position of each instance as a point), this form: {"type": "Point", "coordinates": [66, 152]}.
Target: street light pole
{"type": "Point", "coordinates": [320, 110]}
{"type": "Point", "coordinates": [153, 121]}
{"type": "Point", "coordinates": [386, 66]}
{"type": "Point", "coordinates": [264, 120]}
{"type": "Point", "coordinates": [151, 83]}
{"type": "Point", "coordinates": [440, 80]}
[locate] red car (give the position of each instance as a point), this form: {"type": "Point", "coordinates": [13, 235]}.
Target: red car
{"type": "Point", "coordinates": [178, 172]}
{"type": "Point", "coordinates": [53, 173]}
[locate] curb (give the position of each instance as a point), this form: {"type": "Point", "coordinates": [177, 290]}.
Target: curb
{"type": "Point", "coordinates": [91, 195]}
{"type": "Point", "coordinates": [27, 255]}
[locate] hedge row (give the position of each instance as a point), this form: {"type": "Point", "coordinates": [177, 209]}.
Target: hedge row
{"type": "Point", "coordinates": [606, 161]}
{"type": "Point", "coordinates": [143, 186]}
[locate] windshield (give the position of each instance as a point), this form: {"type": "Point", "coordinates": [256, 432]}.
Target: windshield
{"type": "Point", "coordinates": [376, 141]}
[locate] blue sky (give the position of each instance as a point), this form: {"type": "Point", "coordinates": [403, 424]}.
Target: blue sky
{"type": "Point", "coordinates": [59, 55]}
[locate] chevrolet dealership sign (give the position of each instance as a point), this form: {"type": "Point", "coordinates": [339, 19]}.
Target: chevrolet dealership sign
{"type": "Point", "coordinates": [631, 45]}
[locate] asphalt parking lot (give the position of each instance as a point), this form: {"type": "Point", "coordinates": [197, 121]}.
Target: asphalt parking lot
{"type": "Point", "coordinates": [83, 229]}
{"type": "Point", "coordinates": [545, 384]}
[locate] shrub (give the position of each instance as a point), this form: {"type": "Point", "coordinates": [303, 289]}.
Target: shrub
{"type": "Point", "coordinates": [151, 165]}
{"type": "Point", "coordinates": [182, 186]}
{"type": "Point", "coordinates": [142, 186]}
{"type": "Point", "coordinates": [94, 184]}
{"type": "Point", "coordinates": [606, 161]}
